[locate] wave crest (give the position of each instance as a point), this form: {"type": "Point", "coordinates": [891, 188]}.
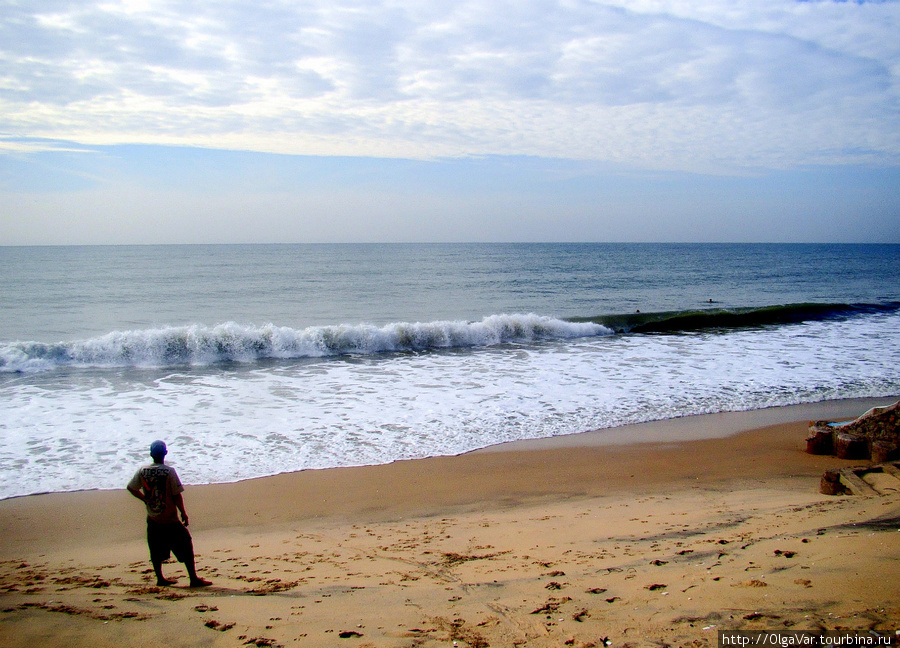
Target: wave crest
{"type": "Point", "coordinates": [231, 342]}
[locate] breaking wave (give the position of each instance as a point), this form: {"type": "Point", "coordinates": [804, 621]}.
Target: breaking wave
{"type": "Point", "coordinates": [231, 342]}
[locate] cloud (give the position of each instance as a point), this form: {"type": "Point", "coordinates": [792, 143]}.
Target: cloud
{"type": "Point", "coordinates": [665, 84]}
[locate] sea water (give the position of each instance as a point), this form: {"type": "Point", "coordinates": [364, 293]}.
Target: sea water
{"type": "Point", "coordinates": [255, 360]}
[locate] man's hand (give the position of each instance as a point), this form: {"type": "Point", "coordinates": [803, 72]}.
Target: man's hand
{"type": "Point", "coordinates": [179, 504]}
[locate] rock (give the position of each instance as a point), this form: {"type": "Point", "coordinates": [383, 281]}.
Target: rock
{"type": "Point", "coordinates": [831, 483]}
{"type": "Point", "coordinates": [883, 451]}
{"type": "Point", "coordinates": [850, 446]}
{"type": "Point", "coordinates": [819, 442]}
{"type": "Point", "coordinates": [876, 433]}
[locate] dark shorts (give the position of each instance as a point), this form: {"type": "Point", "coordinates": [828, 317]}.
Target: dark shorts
{"type": "Point", "coordinates": [168, 538]}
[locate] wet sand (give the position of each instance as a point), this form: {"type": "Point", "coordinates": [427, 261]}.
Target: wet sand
{"type": "Point", "coordinates": [575, 541]}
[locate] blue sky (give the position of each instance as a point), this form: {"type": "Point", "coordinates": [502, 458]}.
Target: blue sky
{"type": "Point", "coordinates": [145, 121]}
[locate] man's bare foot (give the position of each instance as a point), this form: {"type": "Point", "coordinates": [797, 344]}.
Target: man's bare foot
{"type": "Point", "coordinates": [200, 582]}
{"type": "Point", "coordinates": [164, 582]}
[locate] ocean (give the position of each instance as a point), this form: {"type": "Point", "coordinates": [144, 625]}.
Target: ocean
{"type": "Point", "coordinates": [251, 360]}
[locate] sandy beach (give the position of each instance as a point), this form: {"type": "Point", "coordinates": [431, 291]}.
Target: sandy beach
{"type": "Point", "coordinates": [588, 540]}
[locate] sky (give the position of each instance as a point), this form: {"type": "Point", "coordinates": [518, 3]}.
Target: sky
{"type": "Point", "coordinates": [232, 121]}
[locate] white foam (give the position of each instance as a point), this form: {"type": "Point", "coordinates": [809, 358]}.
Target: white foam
{"type": "Point", "coordinates": [231, 342]}
{"type": "Point", "coordinates": [91, 428]}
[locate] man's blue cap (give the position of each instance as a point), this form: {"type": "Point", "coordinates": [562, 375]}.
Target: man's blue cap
{"type": "Point", "coordinates": [158, 449]}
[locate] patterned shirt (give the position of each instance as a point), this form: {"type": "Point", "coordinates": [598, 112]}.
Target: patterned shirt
{"type": "Point", "coordinates": [159, 484]}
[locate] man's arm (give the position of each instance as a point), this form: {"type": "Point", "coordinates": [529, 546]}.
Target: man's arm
{"type": "Point", "coordinates": [137, 493]}
{"type": "Point", "coordinates": [179, 503]}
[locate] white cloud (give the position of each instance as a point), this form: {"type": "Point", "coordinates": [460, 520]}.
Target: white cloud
{"type": "Point", "coordinates": [669, 84]}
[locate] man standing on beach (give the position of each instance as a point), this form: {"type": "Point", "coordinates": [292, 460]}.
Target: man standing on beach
{"type": "Point", "coordinates": [158, 486]}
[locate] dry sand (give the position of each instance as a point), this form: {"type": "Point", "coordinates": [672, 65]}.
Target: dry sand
{"type": "Point", "coordinates": [573, 542]}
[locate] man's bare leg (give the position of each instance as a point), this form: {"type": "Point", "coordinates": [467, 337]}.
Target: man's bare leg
{"type": "Point", "coordinates": [161, 580]}
{"type": "Point", "coordinates": [196, 581]}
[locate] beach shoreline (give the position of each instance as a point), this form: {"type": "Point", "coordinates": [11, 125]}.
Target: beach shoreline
{"type": "Point", "coordinates": [566, 541]}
